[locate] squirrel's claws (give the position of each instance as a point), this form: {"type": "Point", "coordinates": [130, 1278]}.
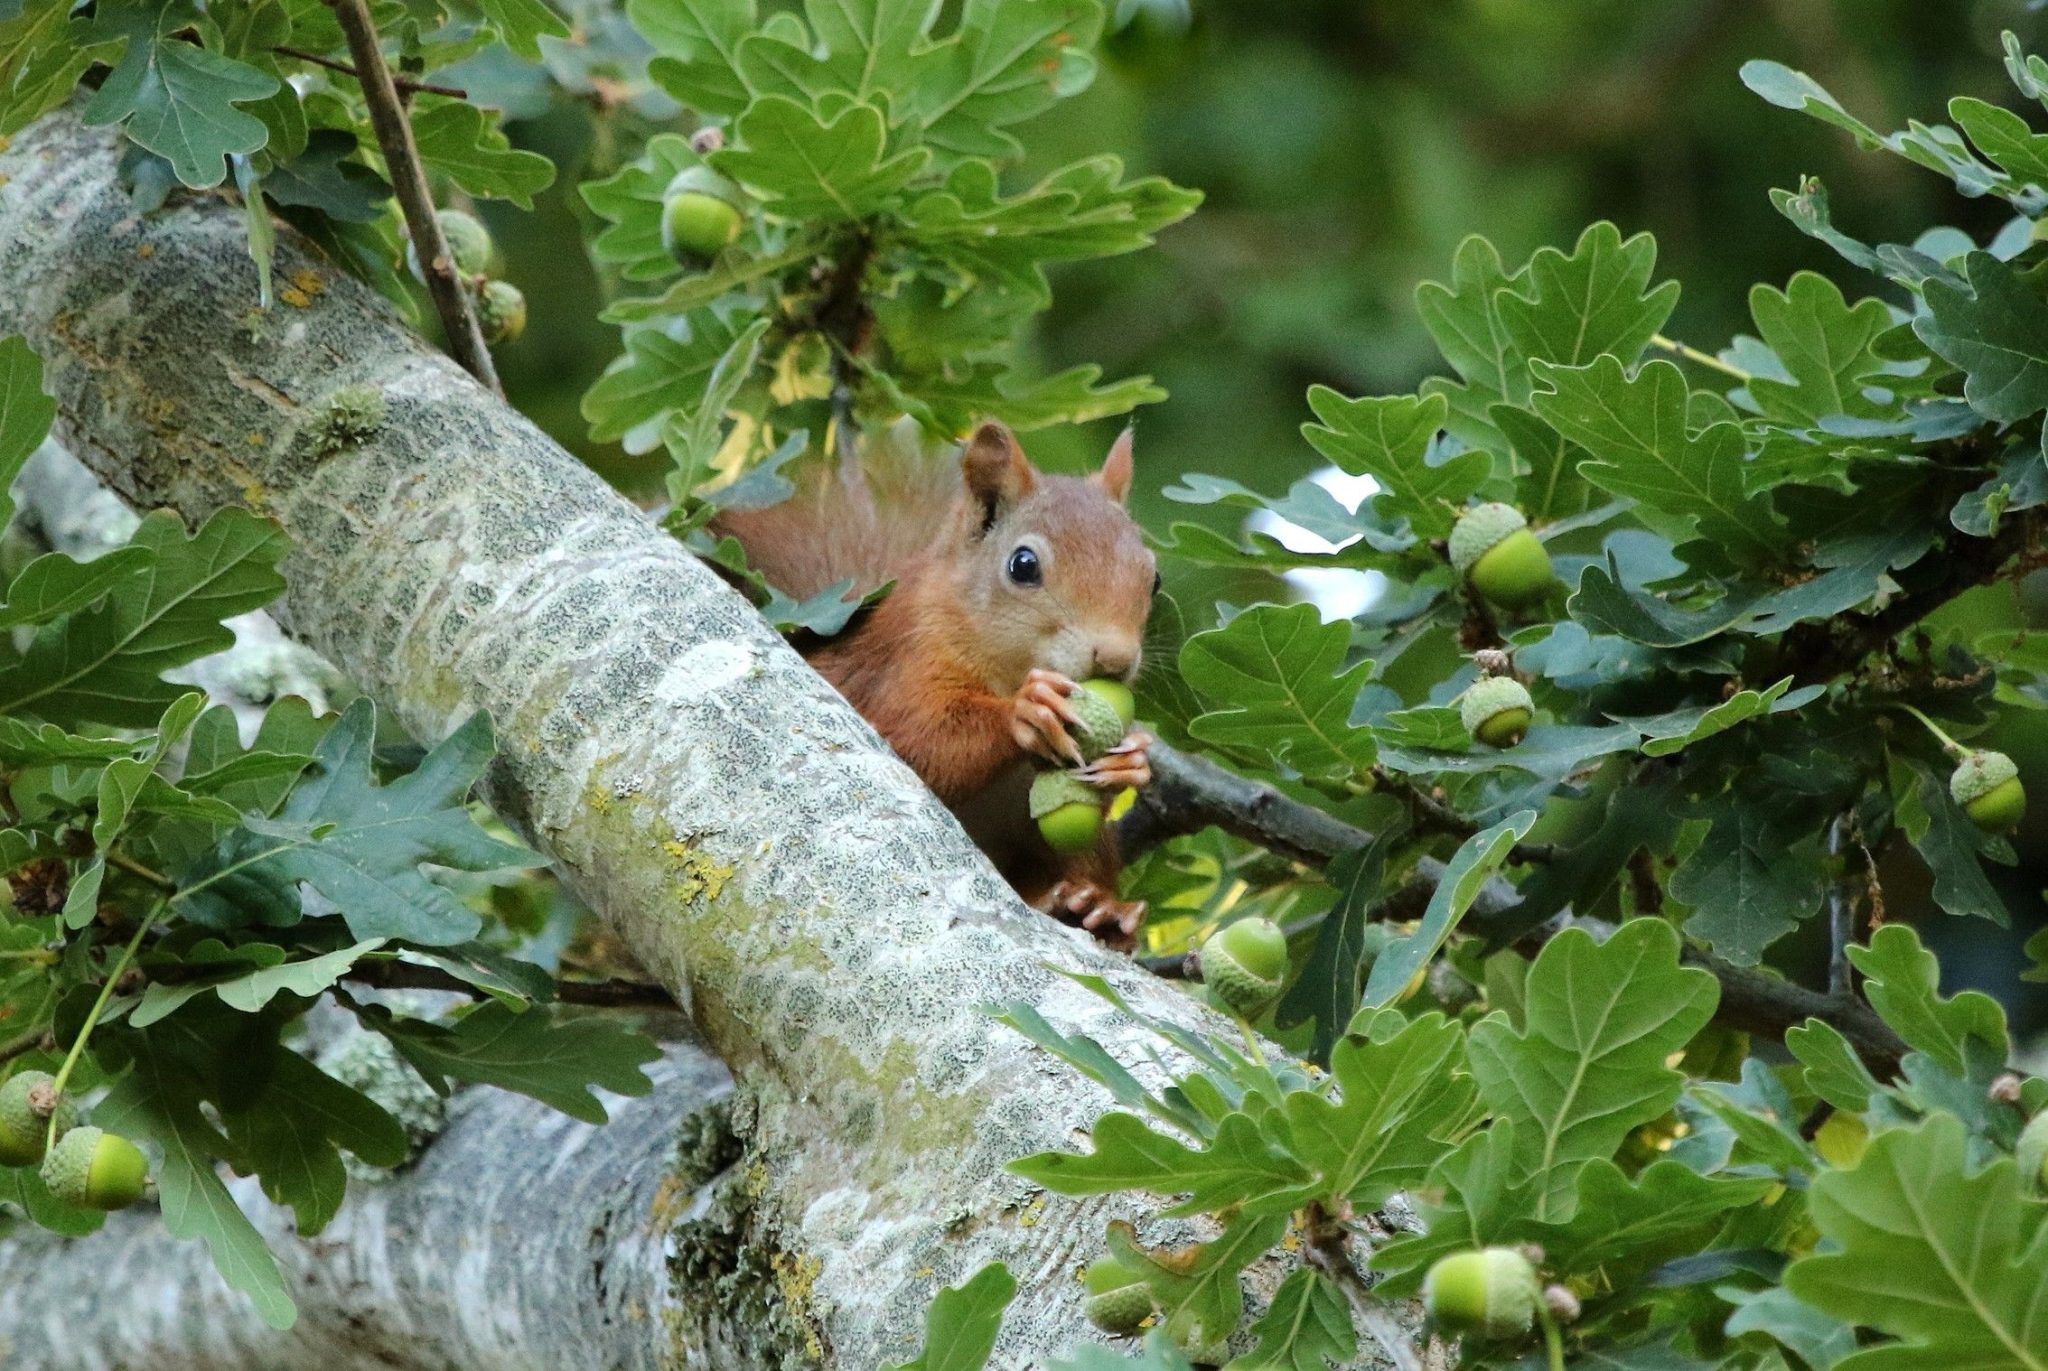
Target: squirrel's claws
{"type": "Point", "coordinates": [1115, 922]}
{"type": "Point", "coordinates": [1123, 766]}
{"type": "Point", "coordinates": [1041, 715]}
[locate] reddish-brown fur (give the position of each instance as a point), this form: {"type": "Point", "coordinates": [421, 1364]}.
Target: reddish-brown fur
{"type": "Point", "coordinates": [936, 667]}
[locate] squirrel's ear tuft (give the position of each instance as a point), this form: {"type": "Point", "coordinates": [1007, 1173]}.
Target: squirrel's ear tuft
{"type": "Point", "coordinates": [1115, 476]}
{"type": "Point", "coordinates": [998, 473]}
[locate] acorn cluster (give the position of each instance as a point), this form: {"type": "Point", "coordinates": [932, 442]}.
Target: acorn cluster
{"type": "Point", "coordinates": [1068, 810]}
{"type": "Point", "coordinates": [500, 305]}
{"type": "Point", "coordinates": [87, 1166]}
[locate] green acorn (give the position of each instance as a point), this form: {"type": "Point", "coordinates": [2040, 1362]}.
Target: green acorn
{"type": "Point", "coordinates": [469, 244]}
{"type": "Point", "coordinates": [700, 215]}
{"type": "Point", "coordinates": [1101, 721]}
{"type": "Point", "coordinates": [97, 1169]}
{"type": "Point", "coordinates": [1491, 1293]}
{"type": "Point", "coordinates": [1118, 1300]}
{"type": "Point", "coordinates": [1068, 810]}
{"type": "Point", "coordinates": [500, 312]}
{"type": "Point", "coordinates": [22, 1128]}
{"type": "Point", "coordinates": [1244, 964]}
{"type": "Point", "coordinates": [2031, 1152]}
{"type": "Point", "coordinates": [1492, 548]}
{"type": "Point", "coordinates": [1496, 710]}
{"type": "Point", "coordinates": [1987, 786]}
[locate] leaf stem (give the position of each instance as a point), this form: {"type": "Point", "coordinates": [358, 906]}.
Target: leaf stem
{"type": "Point", "coordinates": [409, 182]}
{"type": "Point", "coordinates": [1327, 1247]}
{"type": "Point", "coordinates": [135, 868]}
{"type": "Point", "coordinates": [99, 1007]}
{"type": "Point", "coordinates": [1955, 750]}
{"type": "Point", "coordinates": [401, 82]}
{"type": "Point", "coordinates": [1553, 1341]}
{"type": "Point", "coordinates": [1698, 358]}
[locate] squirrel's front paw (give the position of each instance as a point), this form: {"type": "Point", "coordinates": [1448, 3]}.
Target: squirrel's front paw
{"type": "Point", "coordinates": [1115, 922]}
{"type": "Point", "coordinates": [1040, 715]}
{"type": "Point", "coordinates": [1124, 766]}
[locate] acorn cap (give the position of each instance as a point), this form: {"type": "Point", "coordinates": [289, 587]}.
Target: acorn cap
{"type": "Point", "coordinates": [22, 1128]}
{"type": "Point", "coordinates": [1101, 725]}
{"type": "Point", "coordinates": [1244, 964]}
{"type": "Point", "coordinates": [1117, 694]}
{"type": "Point", "coordinates": [1979, 774]}
{"type": "Point", "coordinates": [1118, 1300]}
{"type": "Point", "coordinates": [500, 311]}
{"type": "Point", "coordinates": [1489, 696]}
{"type": "Point", "coordinates": [1052, 790]}
{"type": "Point", "coordinates": [1478, 529]}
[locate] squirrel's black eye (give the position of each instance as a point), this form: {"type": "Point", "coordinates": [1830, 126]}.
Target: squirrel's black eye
{"type": "Point", "coordinates": [1023, 567]}
{"type": "Point", "coordinates": [1155, 583]}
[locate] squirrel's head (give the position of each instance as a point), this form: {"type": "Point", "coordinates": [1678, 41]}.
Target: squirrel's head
{"type": "Point", "coordinates": [1055, 572]}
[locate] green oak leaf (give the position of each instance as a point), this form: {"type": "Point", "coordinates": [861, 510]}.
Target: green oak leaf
{"type": "Point", "coordinates": [630, 201]}
{"type": "Point", "coordinates": [1948, 842]}
{"type": "Point", "coordinates": [1752, 879]}
{"type": "Point", "coordinates": [1901, 981]}
{"type": "Point", "coordinates": [698, 42]}
{"type": "Point", "coordinates": [1635, 430]}
{"type": "Point", "coordinates": [1400, 1102]}
{"type": "Point", "coordinates": [1951, 1262]}
{"type": "Point", "coordinates": [463, 143]}
{"type": "Point", "coordinates": [1197, 1292]}
{"type": "Point", "coordinates": [1678, 729]}
{"type": "Point", "coordinates": [322, 177]}
{"type": "Point", "coordinates": [1573, 309]}
{"type": "Point", "coordinates": [804, 166]}
{"type": "Point", "coordinates": [1281, 670]}
{"type": "Point", "coordinates": [960, 1326]}
{"type": "Point", "coordinates": [1393, 440]}
{"type": "Point", "coordinates": [104, 665]}
{"type": "Point", "coordinates": [1621, 1222]}
{"type": "Point", "coordinates": [1007, 61]}
{"type": "Point", "coordinates": [1476, 861]}
{"type": "Point", "coordinates": [1307, 1327]}
{"type": "Point", "coordinates": [360, 844]}
{"type": "Point", "coordinates": [54, 584]}
{"type": "Point", "coordinates": [521, 24]}
{"type": "Point", "coordinates": [25, 417]}
{"type": "Point", "coordinates": [557, 1063]}
{"type": "Point", "coordinates": [1602, 1018]}
{"type": "Point", "coordinates": [664, 370]}
{"type": "Point", "coordinates": [1330, 982]}
{"type": "Point", "coordinates": [1995, 328]}
{"type": "Point", "coordinates": [1825, 347]}
{"type": "Point", "coordinates": [1833, 1070]}
{"type": "Point", "coordinates": [1237, 1166]}
{"type": "Point", "coordinates": [43, 52]}
{"type": "Point", "coordinates": [176, 98]}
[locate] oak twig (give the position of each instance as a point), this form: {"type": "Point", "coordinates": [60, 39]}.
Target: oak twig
{"type": "Point", "coordinates": [1189, 794]}
{"type": "Point", "coordinates": [409, 182]}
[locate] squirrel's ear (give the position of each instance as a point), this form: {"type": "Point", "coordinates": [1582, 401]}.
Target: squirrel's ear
{"type": "Point", "coordinates": [1115, 476]}
{"type": "Point", "coordinates": [998, 473]}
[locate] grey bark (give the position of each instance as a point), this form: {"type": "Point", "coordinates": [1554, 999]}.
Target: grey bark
{"type": "Point", "coordinates": [521, 1239]}
{"type": "Point", "coordinates": [826, 923]}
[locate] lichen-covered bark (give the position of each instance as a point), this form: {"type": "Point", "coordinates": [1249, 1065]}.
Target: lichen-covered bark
{"type": "Point", "coordinates": [829, 927]}
{"type": "Point", "coordinates": [522, 1238]}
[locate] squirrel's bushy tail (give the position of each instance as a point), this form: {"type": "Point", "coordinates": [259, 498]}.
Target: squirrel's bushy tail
{"type": "Point", "coordinates": [861, 520]}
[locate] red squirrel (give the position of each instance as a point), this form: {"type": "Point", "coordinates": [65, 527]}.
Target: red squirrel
{"type": "Point", "coordinates": [1011, 584]}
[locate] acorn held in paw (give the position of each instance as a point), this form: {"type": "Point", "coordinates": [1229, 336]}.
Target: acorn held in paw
{"type": "Point", "coordinates": [1118, 1300]}
{"type": "Point", "coordinates": [25, 1120]}
{"type": "Point", "coordinates": [500, 311]}
{"type": "Point", "coordinates": [1496, 710]}
{"type": "Point", "coordinates": [1104, 710]}
{"type": "Point", "coordinates": [1068, 810]}
{"type": "Point", "coordinates": [1987, 786]}
{"type": "Point", "coordinates": [1244, 964]}
{"type": "Point", "coordinates": [700, 215]}
{"type": "Point", "coordinates": [1490, 1293]}
{"type": "Point", "coordinates": [1492, 548]}
{"type": "Point", "coordinates": [97, 1169]}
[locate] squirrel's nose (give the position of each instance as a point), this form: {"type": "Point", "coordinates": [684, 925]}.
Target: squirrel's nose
{"type": "Point", "coordinates": [1116, 657]}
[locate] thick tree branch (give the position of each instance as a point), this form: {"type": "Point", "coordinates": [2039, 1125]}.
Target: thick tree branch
{"type": "Point", "coordinates": [519, 1238]}
{"type": "Point", "coordinates": [409, 182]}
